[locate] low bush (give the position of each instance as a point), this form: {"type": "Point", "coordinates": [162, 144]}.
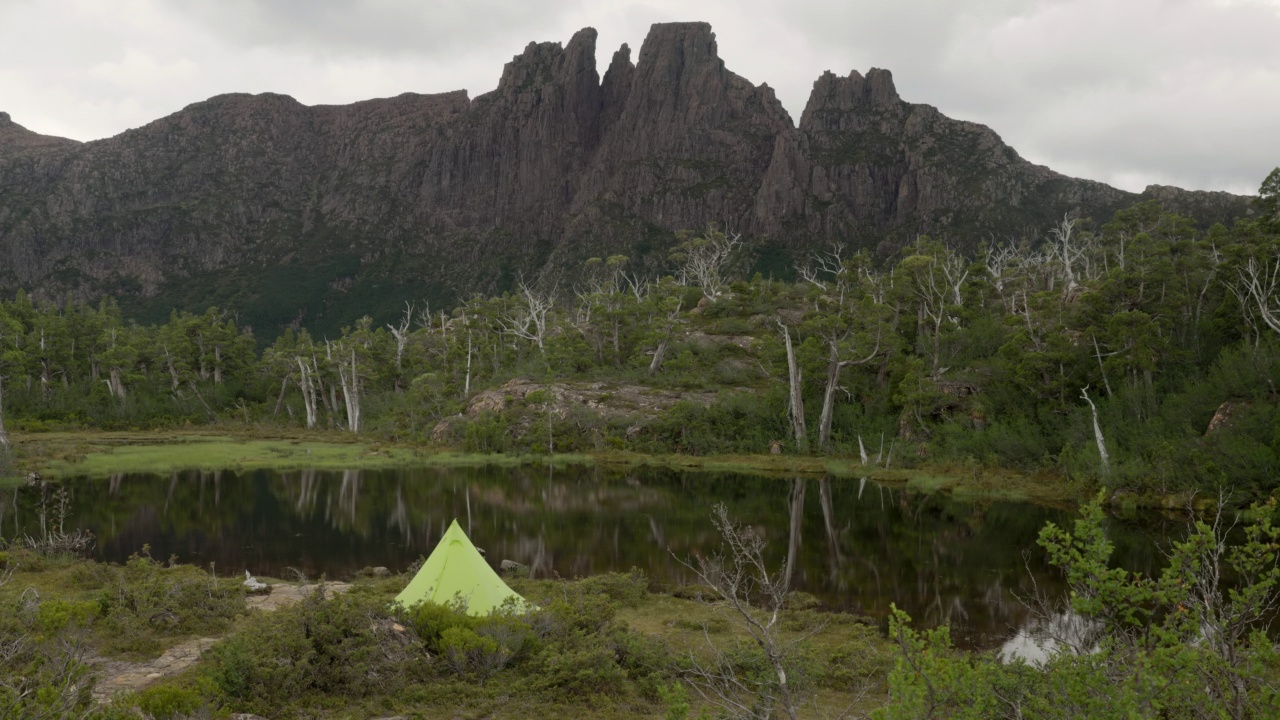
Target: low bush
{"type": "Point", "coordinates": [166, 702]}
{"type": "Point", "coordinates": [145, 602]}
{"type": "Point", "coordinates": [346, 646]}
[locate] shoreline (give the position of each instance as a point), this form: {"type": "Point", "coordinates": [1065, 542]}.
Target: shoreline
{"type": "Point", "coordinates": [67, 454]}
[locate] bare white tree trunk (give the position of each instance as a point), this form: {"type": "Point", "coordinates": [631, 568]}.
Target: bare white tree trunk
{"type": "Point", "coordinates": [4, 436]}
{"type": "Point", "coordinates": [308, 389]}
{"type": "Point", "coordinates": [350, 380]}
{"type": "Point", "coordinates": [1097, 433]}
{"type": "Point", "coordinates": [284, 386]}
{"type": "Point", "coordinates": [660, 352]}
{"type": "Point", "coordinates": [834, 367]}
{"type": "Point", "coordinates": [466, 387]}
{"type": "Point", "coordinates": [753, 598]}
{"type": "Point", "coordinates": [797, 400]}
{"type": "Point", "coordinates": [174, 380]}
{"type": "Point", "coordinates": [1260, 283]}
{"type": "Point", "coordinates": [706, 260]}
{"type": "Point", "coordinates": [115, 383]}
{"type": "Point", "coordinates": [529, 321]}
{"type": "Point", "coordinates": [401, 334]}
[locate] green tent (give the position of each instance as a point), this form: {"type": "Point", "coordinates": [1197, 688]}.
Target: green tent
{"type": "Point", "coordinates": [456, 570]}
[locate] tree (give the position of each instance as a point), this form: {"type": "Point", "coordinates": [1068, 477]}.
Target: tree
{"type": "Point", "coordinates": [527, 319]}
{"type": "Point", "coordinates": [1258, 289]}
{"type": "Point", "coordinates": [796, 392]}
{"type": "Point", "coordinates": [1268, 201]}
{"type": "Point", "coordinates": [754, 598]}
{"type": "Point", "coordinates": [1184, 644]}
{"type": "Point", "coordinates": [10, 356]}
{"type": "Point", "coordinates": [1103, 457]}
{"type": "Point", "coordinates": [400, 332]}
{"type": "Point", "coordinates": [849, 315]}
{"type": "Point", "coordinates": [705, 260]}
{"type": "Point", "coordinates": [934, 276]}
{"type": "Point", "coordinates": [4, 436]}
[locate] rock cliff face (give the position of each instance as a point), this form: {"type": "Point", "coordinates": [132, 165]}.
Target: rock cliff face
{"type": "Point", "coordinates": [291, 213]}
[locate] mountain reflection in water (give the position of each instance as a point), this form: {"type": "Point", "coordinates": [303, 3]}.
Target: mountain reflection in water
{"type": "Point", "coordinates": [856, 545]}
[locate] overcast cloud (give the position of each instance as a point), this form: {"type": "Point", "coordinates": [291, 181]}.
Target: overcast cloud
{"type": "Point", "coordinates": [1130, 92]}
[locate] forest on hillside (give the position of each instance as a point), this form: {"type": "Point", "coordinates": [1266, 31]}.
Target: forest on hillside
{"type": "Point", "coordinates": [1137, 351]}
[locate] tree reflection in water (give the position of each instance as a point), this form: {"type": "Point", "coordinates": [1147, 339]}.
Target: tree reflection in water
{"type": "Point", "coordinates": [857, 546]}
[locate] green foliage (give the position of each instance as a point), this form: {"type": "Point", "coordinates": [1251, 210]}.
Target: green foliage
{"type": "Point", "coordinates": [169, 702]}
{"type": "Point", "coordinates": [54, 616]}
{"type": "Point", "coordinates": [44, 672]}
{"type": "Point", "coordinates": [487, 434]}
{"type": "Point", "coordinates": [145, 602]}
{"type": "Point", "coordinates": [974, 360]}
{"type": "Point", "coordinates": [1178, 645]}
{"type": "Point", "coordinates": [470, 653]}
{"type": "Point", "coordinates": [344, 646]}
{"type": "Point", "coordinates": [627, 589]}
{"type": "Point", "coordinates": [676, 700]}
{"type": "Point", "coordinates": [431, 620]}
{"type": "Point", "coordinates": [579, 665]}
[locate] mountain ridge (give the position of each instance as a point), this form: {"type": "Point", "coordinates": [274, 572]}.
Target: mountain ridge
{"type": "Point", "coordinates": [293, 212]}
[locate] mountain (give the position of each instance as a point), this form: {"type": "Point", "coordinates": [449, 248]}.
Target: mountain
{"type": "Point", "coordinates": [292, 214]}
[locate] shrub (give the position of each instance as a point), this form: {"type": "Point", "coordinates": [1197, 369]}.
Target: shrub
{"type": "Point", "coordinates": [53, 616]}
{"type": "Point", "coordinates": [487, 434]}
{"type": "Point", "coordinates": [163, 702]}
{"type": "Point", "coordinates": [345, 646]}
{"type": "Point", "coordinates": [469, 653]}
{"type": "Point", "coordinates": [583, 666]}
{"type": "Point", "coordinates": [145, 601]}
{"type": "Point", "coordinates": [431, 620]}
{"type": "Point", "coordinates": [628, 588]}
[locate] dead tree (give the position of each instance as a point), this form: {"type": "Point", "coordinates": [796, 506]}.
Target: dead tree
{"type": "Point", "coordinates": [349, 378]}
{"type": "Point", "coordinates": [797, 400]}
{"type": "Point", "coordinates": [835, 366]}
{"type": "Point", "coordinates": [753, 598]}
{"type": "Point", "coordinates": [401, 334]}
{"type": "Point", "coordinates": [1072, 253]}
{"type": "Point", "coordinates": [660, 352]}
{"type": "Point", "coordinates": [528, 320]}
{"type": "Point", "coordinates": [5, 446]}
{"type": "Point", "coordinates": [705, 261]}
{"type": "Point", "coordinates": [308, 388]}
{"type": "Point", "coordinates": [1258, 290]}
{"type": "Point", "coordinates": [1097, 434]}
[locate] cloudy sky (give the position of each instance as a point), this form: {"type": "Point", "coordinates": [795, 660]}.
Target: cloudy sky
{"type": "Point", "coordinates": [1131, 92]}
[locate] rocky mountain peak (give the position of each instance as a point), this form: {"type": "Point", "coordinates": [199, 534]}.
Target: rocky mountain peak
{"type": "Point", "coordinates": [5, 119]}
{"type": "Point", "coordinates": [836, 100]}
{"type": "Point", "coordinates": [670, 48]}
{"type": "Point", "coordinates": [550, 62]}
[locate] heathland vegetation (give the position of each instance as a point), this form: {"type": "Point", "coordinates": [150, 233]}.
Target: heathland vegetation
{"type": "Point", "coordinates": [1139, 353]}
{"type": "Point", "coordinates": [738, 643]}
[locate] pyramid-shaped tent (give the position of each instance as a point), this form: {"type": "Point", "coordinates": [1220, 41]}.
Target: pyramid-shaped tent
{"type": "Point", "coordinates": [456, 570]}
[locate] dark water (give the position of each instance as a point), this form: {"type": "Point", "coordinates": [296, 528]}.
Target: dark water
{"type": "Point", "coordinates": [856, 545]}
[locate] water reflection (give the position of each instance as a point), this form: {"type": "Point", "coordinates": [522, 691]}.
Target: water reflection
{"type": "Point", "coordinates": [1045, 635]}
{"type": "Point", "coordinates": [857, 545]}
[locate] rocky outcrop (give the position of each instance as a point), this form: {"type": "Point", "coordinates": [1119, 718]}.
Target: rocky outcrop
{"type": "Point", "coordinates": [297, 214]}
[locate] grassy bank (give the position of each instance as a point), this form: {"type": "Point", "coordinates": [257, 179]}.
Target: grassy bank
{"type": "Point", "coordinates": [601, 647]}
{"type": "Point", "coordinates": [58, 455]}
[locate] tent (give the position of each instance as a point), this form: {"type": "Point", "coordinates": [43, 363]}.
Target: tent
{"type": "Point", "coordinates": [456, 570]}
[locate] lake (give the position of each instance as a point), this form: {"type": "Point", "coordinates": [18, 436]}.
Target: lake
{"type": "Point", "coordinates": [856, 545]}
